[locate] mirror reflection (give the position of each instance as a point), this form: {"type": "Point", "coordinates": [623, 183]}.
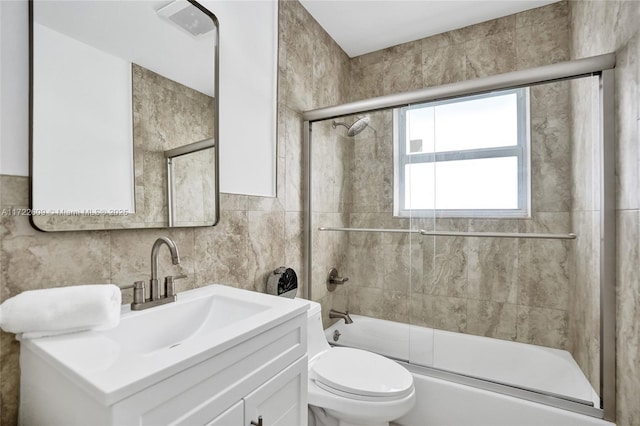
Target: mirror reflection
{"type": "Point", "coordinates": [115, 86]}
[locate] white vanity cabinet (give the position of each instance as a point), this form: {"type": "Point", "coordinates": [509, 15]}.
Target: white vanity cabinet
{"type": "Point", "coordinates": [260, 372]}
{"type": "Point", "coordinates": [233, 416]}
{"type": "Point", "coordinates": [281, 401]}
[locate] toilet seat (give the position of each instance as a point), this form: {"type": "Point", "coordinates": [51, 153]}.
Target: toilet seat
{"type": "Point", "coordinates": [362, 375]}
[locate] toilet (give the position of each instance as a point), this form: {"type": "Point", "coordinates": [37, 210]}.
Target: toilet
{"type": "Point", "coordinates": [352, 387]}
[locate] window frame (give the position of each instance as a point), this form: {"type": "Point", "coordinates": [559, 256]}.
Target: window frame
{"type": "Point", "coordinates": [521, 151]}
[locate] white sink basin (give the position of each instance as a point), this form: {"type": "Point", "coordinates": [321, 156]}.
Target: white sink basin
{"type": "Point", "coordinates": [168, 326]}
{"type": "Point", "coordinates": [153, 344]}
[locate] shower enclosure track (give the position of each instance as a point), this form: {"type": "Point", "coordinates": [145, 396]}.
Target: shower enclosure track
{"type": "Point", "coordinates": [569, 236]}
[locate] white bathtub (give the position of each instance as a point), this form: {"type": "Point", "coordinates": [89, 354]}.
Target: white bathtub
{"type": "Point", "coordinates": [442, 401]}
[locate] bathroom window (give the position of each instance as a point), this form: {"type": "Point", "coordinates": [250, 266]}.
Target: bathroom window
{"type": "Point", "coordinates": [465, 157]}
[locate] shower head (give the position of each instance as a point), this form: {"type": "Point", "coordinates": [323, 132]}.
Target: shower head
{"type": "Point", "coordinates": [357, 127]}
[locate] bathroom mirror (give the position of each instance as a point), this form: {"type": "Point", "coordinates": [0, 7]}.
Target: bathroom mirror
{"type": "Point", "coordinates": [115, 86]}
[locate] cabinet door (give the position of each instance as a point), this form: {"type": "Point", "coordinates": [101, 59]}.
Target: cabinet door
{"type": "Point", "coordinates": [281, 401]}
{"type": "Point", "coordinates": [234, 416]}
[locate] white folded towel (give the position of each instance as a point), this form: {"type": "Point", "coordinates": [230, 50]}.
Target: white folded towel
{"type": "Point", "coordinates": [52, 311]}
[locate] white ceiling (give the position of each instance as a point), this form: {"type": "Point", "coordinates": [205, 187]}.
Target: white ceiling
{"type": "Point", "coordinates": [364, 26]}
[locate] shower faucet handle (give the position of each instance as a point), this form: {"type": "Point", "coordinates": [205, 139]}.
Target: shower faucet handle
{"type": "Point", "coordinates": [339, 280]}
{"type": "Point", "coordinates": [334, 279]}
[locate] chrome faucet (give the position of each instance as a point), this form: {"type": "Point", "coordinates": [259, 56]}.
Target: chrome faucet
{"type": "Point", "coordinates": [344, 315]}
{"type": "Point", "coordinates": [140, 301]}
{"type": "Point", "coordinates": [155, 251]}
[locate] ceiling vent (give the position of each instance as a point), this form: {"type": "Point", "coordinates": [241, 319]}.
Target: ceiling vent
{"type": "Point", "coordinates": [188, 17]}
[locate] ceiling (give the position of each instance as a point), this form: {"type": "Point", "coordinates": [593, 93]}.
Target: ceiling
{"type": "Point", "coordinates": [364, 26]}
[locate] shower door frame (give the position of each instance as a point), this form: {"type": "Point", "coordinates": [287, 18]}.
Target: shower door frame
{"type": "Point", "coordinates": [601, 66]}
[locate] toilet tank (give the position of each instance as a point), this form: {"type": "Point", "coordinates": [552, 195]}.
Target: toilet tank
{"type": "Point", "coordinates": [316, 340]}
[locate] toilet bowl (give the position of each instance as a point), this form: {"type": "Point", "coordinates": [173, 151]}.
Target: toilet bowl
{"type": "Point", "coordinates": [349, 387]}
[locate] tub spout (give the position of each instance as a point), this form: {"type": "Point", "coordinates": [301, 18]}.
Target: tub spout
{"type": "Point", "coordinates": [344, 315]}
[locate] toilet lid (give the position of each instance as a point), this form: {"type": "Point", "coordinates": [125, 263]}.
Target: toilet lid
{"type": "Point", "coordinates": [362, 373]}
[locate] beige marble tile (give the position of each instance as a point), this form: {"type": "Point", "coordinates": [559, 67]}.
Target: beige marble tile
{"type": "Point", "coordinates": [550, 100]}
{"type": "Point", "coordinates": [443, 65]}
{"type": "Point", "coordinates": [294, 247]}
{"type": "Point", "coordinates": [417, 275]}
{"type": "Point", "coordinates": [330, 72]}
{"type": "Point", "coordinates": [14, 190]}
{"type": "Point", "coordinates": [443, 313]}
{"type": "Point", "coordinates": [441, 40]}
{"type": "Point", "coordinates": [628, 316]}
{"type": "Point", "coordinates": [403, 72]}
{"type": "Point", "coordinates": [540, 15]}
{"type": "Point", "coordinates": [191, 188]}
{"type": "Point", "coordinates": [628, 138]}
{"type": "Point", "coordinates": [584, 301]}
{"type": "Point", "coordinates": [330, 168]}
{"type": "Point", "coordinates": [626, 22]}
{"type": "Point", "coordinates": [543, 279]}
{"type": "Point", "coordinates": [293, 160]}
{"type": "Point", "coordinates": [445, 262]}
{"type": "Point", "coordinates": [298, 43]}
{"type": "Point", "coordinates": [489, 28]}
{"type": "Point", "coordinates": [33, 259]}
{"type": "Point", "coordinates": [491, 319]}
{"type": "Point", "coordinates": [221, 252]}
{"type": "Point", "coordinates": [266, 252]}
{"type": "Point", "coordinates": [397, 267]}
{"type": "Point", "coordinates": [265, 204]}
{"type": "Point", "coordinates": [585, 147]}
{"type": "Point", "coordinates": [494, 54]}
{"type": "Point", "coordinates": [550, 164]}
{"type": "Point", "coordinates": [493, 262]}
{"type": "Point", "coordinates": [379, 303]}
{"type": "Point", "coordinates": [283, 115]}
{"type": "Point", "coordinates": [366, 259]}
{"type": "Point", "coordinates": [542, 326]}
{"type": "Point", "coordinates": [367, 81]}
{"type": "Point", "coordinates": [542, 44]}
{"type": "Point", "coordinates": [372, 185]}
{"type": "Point", "coordinates": [403, 49]}
{"type": "Point", "coordinates": [233, 202]}
{"type": "Point", "coordinates": [369, 58]}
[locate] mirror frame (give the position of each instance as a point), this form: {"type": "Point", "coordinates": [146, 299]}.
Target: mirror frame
{"type": "Point", "coordinates": [216, 132]}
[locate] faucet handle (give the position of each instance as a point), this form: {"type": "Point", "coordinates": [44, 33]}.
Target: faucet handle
{"type": "Point", "coordinates": [138, 291]}
{"type": "Point", "coordinates": [170, 285]}
{"type": "Point", "coordinates": [335, 279]}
